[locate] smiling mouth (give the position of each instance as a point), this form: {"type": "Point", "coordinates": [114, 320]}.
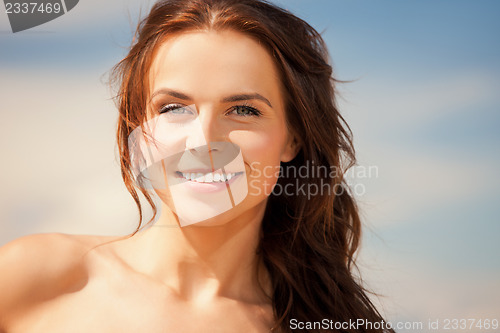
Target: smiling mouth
{"type": "Point", "coordinates": [208, 177]}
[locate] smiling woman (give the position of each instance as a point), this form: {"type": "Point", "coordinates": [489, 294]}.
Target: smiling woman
{"type": "Point", "coordinates": [238, 99]}
{"type": "Point", "coordinates": [212, 95]}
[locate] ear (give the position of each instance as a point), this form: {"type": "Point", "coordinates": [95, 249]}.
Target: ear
{"type": "Point", "coordinates": [291, 149]}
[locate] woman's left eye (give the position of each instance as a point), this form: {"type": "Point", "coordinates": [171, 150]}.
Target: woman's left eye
{"type": "Point", "coordinates": [245, 111]}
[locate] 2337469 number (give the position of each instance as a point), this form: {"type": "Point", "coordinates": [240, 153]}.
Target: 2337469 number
{"type": "Point", "coordinates": [468, 324]}
{"type": "Point", "coordinates": [32, 7]}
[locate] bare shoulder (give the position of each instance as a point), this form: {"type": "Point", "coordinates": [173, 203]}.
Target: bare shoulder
{"type": "Point", "coordinates": [39, 267]}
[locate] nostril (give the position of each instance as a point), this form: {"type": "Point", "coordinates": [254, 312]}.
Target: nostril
{"type": "Point", "coordinates": [200, 150]}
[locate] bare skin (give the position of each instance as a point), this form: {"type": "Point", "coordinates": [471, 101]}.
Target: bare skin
{"type": "Point", "coordinates": [200, 278]}
{"type": "Point", "coordinates": [98, 292]}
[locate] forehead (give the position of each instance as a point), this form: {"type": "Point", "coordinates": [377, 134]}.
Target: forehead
{"type": "Point", "coordinates": [208, 64]}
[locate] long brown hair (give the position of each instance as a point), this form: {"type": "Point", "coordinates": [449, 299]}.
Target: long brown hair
{"type": "Point", "coordinates": [308, 242]}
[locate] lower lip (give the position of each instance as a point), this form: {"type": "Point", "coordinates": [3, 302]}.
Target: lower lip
{"type": "Point", "coordinates": [210, 187]}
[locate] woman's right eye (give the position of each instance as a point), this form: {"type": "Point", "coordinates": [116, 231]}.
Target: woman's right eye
{"type": "Point", "coordinates": [175, 109]}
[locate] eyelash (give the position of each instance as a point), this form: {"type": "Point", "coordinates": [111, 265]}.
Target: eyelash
{"type": "Point", "coordinates": [254, 111]}
{"type": "Point", "coordinates": [169, 107]}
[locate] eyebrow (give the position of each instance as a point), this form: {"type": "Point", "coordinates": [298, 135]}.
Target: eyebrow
{"type": "Point", "coordinates": [232, 98]}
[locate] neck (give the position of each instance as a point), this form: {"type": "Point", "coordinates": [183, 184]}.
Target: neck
{"type": "Point", "coordinates": [203, 262]}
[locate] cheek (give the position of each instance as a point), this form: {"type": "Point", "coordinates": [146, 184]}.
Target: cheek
{"type": "Point", "coordinates": [262, 154]}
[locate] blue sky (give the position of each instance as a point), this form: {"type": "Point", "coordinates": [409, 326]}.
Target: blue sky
{"type": "Point", "coordinates": [424, 108]}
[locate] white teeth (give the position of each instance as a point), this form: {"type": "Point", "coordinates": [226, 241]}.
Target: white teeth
{"type": "Point", "coordinates": [211, 177]}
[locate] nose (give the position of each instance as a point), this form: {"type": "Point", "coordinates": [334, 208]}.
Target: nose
{"type": "Point", "coordinates": [207, 131]}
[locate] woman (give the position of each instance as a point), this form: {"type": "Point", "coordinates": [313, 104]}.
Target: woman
{"type": "Point", "coordinates": [221, 102]}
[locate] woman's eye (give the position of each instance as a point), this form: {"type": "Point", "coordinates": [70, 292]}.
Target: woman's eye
{"type": "Point", "coordinates": [245, 110]}
{"type": "Point", "coordinates": [175, 109]}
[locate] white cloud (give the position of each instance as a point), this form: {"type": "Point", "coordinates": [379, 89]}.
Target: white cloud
{"type": "Point", "coordinates": [59, 171]}
{"type": "Point", "coordinates": [414, 290]}
{"type": "Point", "coordinates": [414, 178]}
{"type": "Point", "coordinates": [410, 182]}
{"type": "Point", "coordinates": [406, 102]}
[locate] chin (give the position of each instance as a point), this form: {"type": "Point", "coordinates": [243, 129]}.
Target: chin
{"type": "Point", "coordinates": [244, 211]}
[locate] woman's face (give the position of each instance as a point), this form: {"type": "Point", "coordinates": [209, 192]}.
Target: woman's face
{"type": "Point", "coordinates": [218, 104]}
